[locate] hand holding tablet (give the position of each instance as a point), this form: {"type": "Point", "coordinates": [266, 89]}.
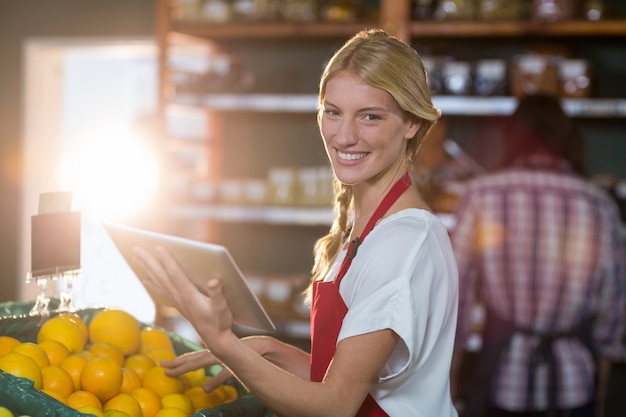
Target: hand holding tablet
{"type": "Point", "coordinates": [201, 263]}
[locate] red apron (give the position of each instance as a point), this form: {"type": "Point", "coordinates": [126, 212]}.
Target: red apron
{"type": "Point", "coordinates": [328, 308]}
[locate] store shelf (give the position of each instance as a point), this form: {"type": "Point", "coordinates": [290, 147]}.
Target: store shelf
{"type": "Point", "coordinates": [305, 216]}
{"type": "Point", "coordinates": [441, 29]}
{"type": "Point", "coordinates": [268, 30]}
{"type": "Point", "coordinates": [449, 105]}
{"type": "Point", "coordinates": [573, 28]}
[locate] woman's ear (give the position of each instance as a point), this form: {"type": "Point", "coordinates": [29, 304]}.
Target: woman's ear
{"type": "Point", "coordinates": [412, 127]}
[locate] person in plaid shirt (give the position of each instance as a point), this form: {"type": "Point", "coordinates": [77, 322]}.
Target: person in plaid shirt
{"type": "Point", "coordinates": [542, 250]}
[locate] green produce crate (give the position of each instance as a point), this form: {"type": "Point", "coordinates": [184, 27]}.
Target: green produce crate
{"type": "Point", "coordinates": [19, 395]}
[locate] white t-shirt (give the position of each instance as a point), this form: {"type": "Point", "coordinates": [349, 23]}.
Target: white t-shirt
{"type": "Point", "coordinates": [405, 278]}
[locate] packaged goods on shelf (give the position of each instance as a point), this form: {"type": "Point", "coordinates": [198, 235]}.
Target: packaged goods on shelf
{"type": "Point", "coordinates": [231, 191]}
{"type": "Point", "coordinates": [490, 77]}
{"type": "Point", "coordinates": [594, 9]}
{"type": "Point", "coordinates": [457, 77]}
{"type": "Point", "coordinates": [423, 9]}
{"type": "Point", "coordinates": [575, 78]}
{"type": "Point", "coordinates": [553, 10]}
{"type": "Point", "coordinates": [492, 10]}
{"type": "Point", "coordinates": [216, 11]}
{"type": "Point", "coordinates": [300, 10]}
{"type": "Point", "coordinates": [281, 186]}
{"type": "Point", "coordinates": [455, 10]}
{"type": "Point", "coordinates": [534, 73]}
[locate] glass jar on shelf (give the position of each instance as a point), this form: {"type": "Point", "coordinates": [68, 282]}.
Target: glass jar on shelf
{"type": "Point", "coordinates": [553, 10]}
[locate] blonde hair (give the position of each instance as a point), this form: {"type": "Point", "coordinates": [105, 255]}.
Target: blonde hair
{"type": "Point", "coordinates": [384, 62]}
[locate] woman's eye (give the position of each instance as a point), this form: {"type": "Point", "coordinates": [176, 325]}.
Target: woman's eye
{"type": "Point", "coordinates": [371, 117]}
{"type": "Point", "coordinates": [331, 112]}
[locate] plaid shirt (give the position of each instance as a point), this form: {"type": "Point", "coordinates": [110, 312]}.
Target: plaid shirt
{"type": "Point", "coordinates": [548, 251]}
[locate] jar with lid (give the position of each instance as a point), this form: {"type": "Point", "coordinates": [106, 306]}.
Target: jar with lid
{"type": "Point", "coordinates": [455, 10]}
{"type": "Point", "coordinates": [457, 77]}
{"type": "Point", "coordinates": [423, 9]}
{"type": "Point", "coordinates": [575, 78]}
{"type": "Point", "coordinates": [553, 10]}
{"type": "Point", "coordinates": [490, 77]}
{"type": "Point", "coordinates": [594, 9]}
{"type": "Point", "coordinates": [339, 11]}
{"type": "Point", "coordinates": [217, 11]}
{"type": "Point", "coordinates": [534, 73]}
{"type": "Point", "coordinates": [187, 10]}
{"type": "Point", "coordinates": [492, 10]}
{"type": "Point", "coordinates": [299, 10]}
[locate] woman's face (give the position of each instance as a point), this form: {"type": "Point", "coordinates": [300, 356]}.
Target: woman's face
{"type": "Point", "coordinates": [364, 130]}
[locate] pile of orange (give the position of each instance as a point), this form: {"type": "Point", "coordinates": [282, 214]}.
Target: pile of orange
{"type": "Point", "coordinates": [108, 368]}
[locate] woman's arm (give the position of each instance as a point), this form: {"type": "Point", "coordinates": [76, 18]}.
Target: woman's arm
{"type": "Point", "coordinates": [283, 355]}
{"type": "Point", "coordinates": [357, 363]}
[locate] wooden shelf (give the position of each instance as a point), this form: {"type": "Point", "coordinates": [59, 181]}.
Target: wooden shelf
{"type": "Point", "coordinates": [303, 216]}
{"type": "Point", "coordinates": [449, 105]}
{"type": "Point", "coordinates": [574, 28]}
{"type": "Point", "coordinates": [268, 30]}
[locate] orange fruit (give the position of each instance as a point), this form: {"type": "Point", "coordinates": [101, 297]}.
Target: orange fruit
{"type": "Point", "coordinates": [148, 400]}
{"type": "Point", "coordinates": [109, 350]}
{"type": "Point", "coordinates": [192, 378]}
{"type": "Point", "coordinates": [156, 380]}
{"type": "Point", "coordinates": [124, 402]}
{"type": "Point", "coordinates": [200, 382]}
{"type": "Point", "coordinates": [102, 376]}
{"type": "Point", "coordinates": [139, 363]}
{"type": "Point", "coordinates": [114, 413]}
{"type": "Point", "coordinates": [178, 400]}
{"type": "Point", "coordinates": [171, 412]}
{"type": "Point", "coordinates": [64, 331]}
{"type": "Point", "coordinates": [201, 399]}
{"type": "Point", "coordinates": [56, 395]}
{"type": "Point", "coordinates": [57, 379]}
{"type": "Point", "coordinates": [5, 412]}
{"type": "Point", "coordinates": [86, 354]}
{"type": "Point", "coordinates": [152, 338]}
{"type": "Point", "coordinates": [74, 365]}
{"type": "Point", "coordinates": [88, 409]}
{"type": "Point", "coordinates": [7, 343]}
{"type": "Point", "coordinates": [160, 354]}
{"type": "Point", "coordinates": [130, 380]}
{"type": "Point", "coordinates": [75, 318]}
{"type": "Point", "coordinates": [23, 366]}
{"type": "Point", "coordinates": [117, 327]}
{"type": "Point", "coordinates": [81, 398]}
{"type": "Point", "coordinates": [34, 351]}
{"type": "Point", "coordinates": [55, 350]}
{"type": "Point", "coordinates": [230, 393]}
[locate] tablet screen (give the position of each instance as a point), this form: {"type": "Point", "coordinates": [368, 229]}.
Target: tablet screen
{"type": "Point", "coordinates": [202, 262]}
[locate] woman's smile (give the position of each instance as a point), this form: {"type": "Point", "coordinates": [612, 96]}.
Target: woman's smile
{"type": "Point", "coordinates": [351, 156]}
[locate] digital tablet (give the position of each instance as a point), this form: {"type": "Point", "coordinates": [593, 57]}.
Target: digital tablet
{"type": "Point", "coordinates": [202, 262]}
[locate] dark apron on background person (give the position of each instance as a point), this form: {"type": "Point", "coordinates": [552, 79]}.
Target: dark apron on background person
{"type": "Point", "coordinates": [497, 335]}
{"type": "Point", "coordinates": [328, 308]}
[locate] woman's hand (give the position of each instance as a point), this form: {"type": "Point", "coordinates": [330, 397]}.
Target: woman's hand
{"type": "Point", "coordinates": [195, 360]}
{"type": "Point", "coordinates": [207, 311]}
{"type": "Point", "coordinates": [279, 353]}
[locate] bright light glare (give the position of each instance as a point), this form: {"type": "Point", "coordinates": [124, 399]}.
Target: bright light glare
{"type": "Point", "coordinates": [112, 176]}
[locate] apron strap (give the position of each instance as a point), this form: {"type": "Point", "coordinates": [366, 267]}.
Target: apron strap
{"type": "Point", "coordinates": [396, 191]}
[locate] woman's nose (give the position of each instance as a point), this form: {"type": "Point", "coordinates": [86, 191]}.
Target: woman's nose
{"type": "Point", "coordinates": [346, 133]}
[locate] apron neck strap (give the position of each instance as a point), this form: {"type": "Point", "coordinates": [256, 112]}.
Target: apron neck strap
{"type": "Point", "coordinates": [396, 191]}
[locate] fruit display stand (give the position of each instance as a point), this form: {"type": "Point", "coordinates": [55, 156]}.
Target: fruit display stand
{"type": "Point", "coordinates": [19, 395]}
